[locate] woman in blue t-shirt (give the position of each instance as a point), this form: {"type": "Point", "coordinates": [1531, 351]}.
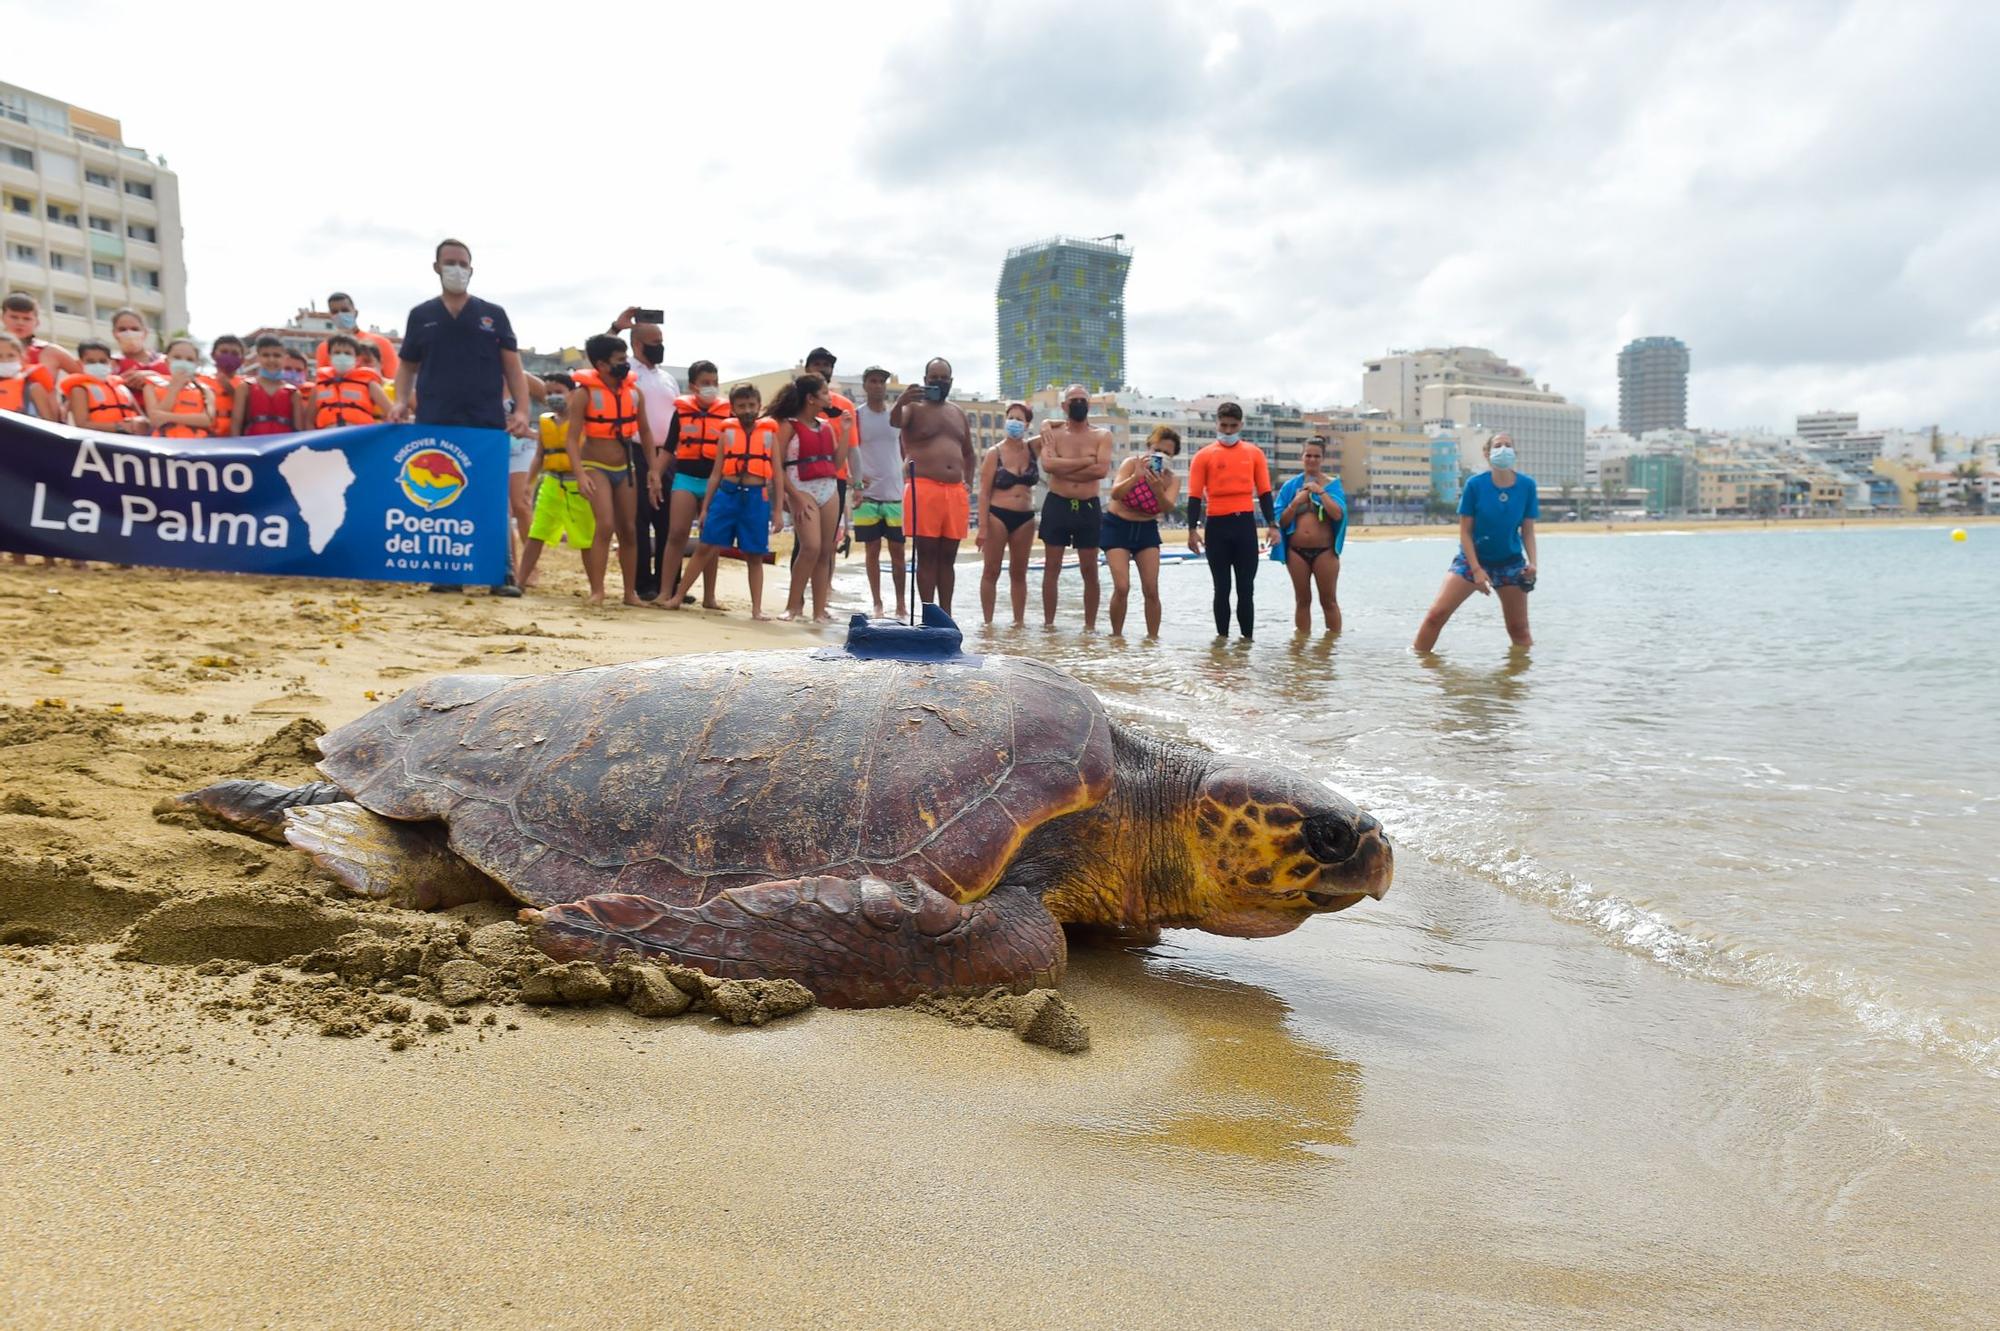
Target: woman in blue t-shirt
{"type": "Point", "coordinates": [1496, 546]}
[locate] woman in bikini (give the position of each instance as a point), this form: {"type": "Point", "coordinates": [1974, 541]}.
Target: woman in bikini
{"type": "Point", "coordinates": [1007, 480]}
{"type": "Point", "coordinates": [1312, 525]}
{"type": "Point", "coordinates": [814, 457]}
{"type": "Point", "coordinates": [1144, 488]}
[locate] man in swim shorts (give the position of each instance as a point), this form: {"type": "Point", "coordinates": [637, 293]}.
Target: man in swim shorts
{"type": "Point", "coordinates": [1075, 458]}
{"type": "Point", "coordinates": [937, 510]}
{"type": "Point", "coordinates": [878, 478]}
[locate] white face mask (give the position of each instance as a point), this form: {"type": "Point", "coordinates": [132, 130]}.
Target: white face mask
{"type": "Point", "coordinates": [456, 278]}
{"type": "Point", "coordinates": [342, 361]}
{"type": "Point", "coordinates": [98, 369]}
{"type": "Point", "coordinates": [186, 367]}
{"type": "Point", "coordinates": [706, 392]}
{"type": "Point", "coordinates": [132, 339]}
{"type": "Point", "coordinates": [9, 368]}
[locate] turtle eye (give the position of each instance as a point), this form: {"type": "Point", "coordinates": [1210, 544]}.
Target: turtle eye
{"type": "Point", "coordinates": [1331, 838]}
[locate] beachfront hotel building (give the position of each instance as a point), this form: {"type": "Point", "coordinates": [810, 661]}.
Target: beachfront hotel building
{"type": "Point", "coordinates": [1653, 385]}
{"type": "Point", "coordinates": [88, 225]}
{"type": "Point", "coordinates": [1480, 394]}
{"type": "Point", "coordinates": [1061, 315]}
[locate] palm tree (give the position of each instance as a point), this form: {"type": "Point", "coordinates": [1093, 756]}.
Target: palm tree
{"type": "Point", "coordinates": [1968, 474]}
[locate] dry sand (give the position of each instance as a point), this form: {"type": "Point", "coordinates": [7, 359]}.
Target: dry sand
{"type": "Point", "coordinates": [181, 1144]}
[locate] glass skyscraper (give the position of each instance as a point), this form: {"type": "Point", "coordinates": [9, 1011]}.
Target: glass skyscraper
{"type": "Point", "coordinates": [1062, 315]}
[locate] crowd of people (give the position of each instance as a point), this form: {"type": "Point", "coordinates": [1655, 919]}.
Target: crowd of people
{"type": "Point", "coordinates": [615, 456]}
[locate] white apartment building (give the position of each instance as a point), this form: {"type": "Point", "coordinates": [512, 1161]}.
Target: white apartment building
{"type": "Point", "coordinates": [1481, 394]}
{"type": "Point", "coordinates": [87, 225]}
{"type": "Point", "coordinates": [1818, 425]}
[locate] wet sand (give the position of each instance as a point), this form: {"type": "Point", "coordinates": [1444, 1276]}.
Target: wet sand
{"type": "Point", "coordinates": [1217, 1157]}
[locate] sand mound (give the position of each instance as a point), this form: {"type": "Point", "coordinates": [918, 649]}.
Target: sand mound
{"type": "Point", "coordinates": [1040, 1016]}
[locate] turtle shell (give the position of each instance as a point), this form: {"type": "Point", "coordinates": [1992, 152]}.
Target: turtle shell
{"type": "Point", "coordinates": [678, 778]}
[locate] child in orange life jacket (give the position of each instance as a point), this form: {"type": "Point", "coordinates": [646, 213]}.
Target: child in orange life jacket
{"type": "Point", "coordinates": [742, 505]}
{"type": "Point", "coordinates": [97, 399]}
{"type": "Point", "coordinates": [346, 393]}
{"type": "Point", "coordinates": [25, 390]}
{"type": "Point", "coordinates": [603, 421]}
{"type": "Point", "coordinates": [22, 316]}
{"type": "Point", "coordinates": [227, 354]}
{"type": "Point", "coordinates": [266, 403]}
{"type": "Point", "coordinates": [178, 403]}
{"type": "Point", "coordinates": [371, 359]}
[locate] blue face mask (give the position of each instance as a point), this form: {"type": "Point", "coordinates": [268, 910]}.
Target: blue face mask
{"type": "Point", "coordinates": [1502, 458]}
{"type": "Point", "coordinates": [344, 320]}
{"type": "Point", "coordinates": [271, 371]}
{"type": "Point", "coordinates": [1230, 437]}
{"type": "Point", "coordinates": [1016, 428]}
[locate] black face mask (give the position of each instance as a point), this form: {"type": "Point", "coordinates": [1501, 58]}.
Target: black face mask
{"type": "Point", "coordinates": [1079, 409]}
{"type": "Point", "coordinates": [616, 374]}
{"type": "Point", "coordinates": [653, 352]}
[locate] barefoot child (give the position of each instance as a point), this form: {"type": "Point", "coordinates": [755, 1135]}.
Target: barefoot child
{"type": "Point", "coordinates": [745, 492]}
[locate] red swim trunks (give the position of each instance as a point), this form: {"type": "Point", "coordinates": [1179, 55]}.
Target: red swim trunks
{"type": "Point", "coordinates": [940, 509]}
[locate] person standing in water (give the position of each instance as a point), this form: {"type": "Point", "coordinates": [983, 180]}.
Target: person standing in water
{"type": "Point", "coordinates": [1496, 547]}
{"type": "Point", "coordinates": [937, 439]}
{"type": "Point", "coordinates": [1008, 475]}
{"type": "Point", "coordinates": [1076, 457]}
{"type": "Point", "coordinates": [1144, 488]}
{"type": "Point", "coordinates": [1231, 480]}
{"type": "Point", "coordinates": [1312, 529]}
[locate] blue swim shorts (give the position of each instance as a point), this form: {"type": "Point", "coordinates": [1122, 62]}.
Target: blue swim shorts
{"type": "Point", "coordinates": [739, 518]}
{"type": "Point", "coordinates": [1512, 573]}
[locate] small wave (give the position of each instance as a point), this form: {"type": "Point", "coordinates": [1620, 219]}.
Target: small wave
{"type": "Point", "coordinates": [1405, 803]}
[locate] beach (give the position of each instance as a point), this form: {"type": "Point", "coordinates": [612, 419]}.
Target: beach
{"type": "Point", "coordinates": [1470, 1104]}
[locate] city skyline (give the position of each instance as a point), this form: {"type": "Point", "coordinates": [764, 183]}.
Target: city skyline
{"type": "Point", "coordinates": [1742, 179]}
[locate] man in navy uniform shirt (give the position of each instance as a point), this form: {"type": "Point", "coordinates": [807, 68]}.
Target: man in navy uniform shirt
{"type": "Point", "coordinates": [460, 364]}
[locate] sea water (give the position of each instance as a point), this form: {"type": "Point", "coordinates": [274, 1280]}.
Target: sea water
{"type": "Point", "coordinates": [1693, 959]}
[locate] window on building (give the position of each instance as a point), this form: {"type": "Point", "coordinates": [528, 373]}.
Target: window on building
{"type": "Point", "coordinates": [65, 263]}
{"type": "Point", "coordinates": [20, 157]}
{"type": "Point", "coordinates": [99, 179]}
{"type": "Point", "coordinates": [19, 253]}
{"type": "Point", "coordinates": [106, 313]}
{"type": "Point", "coordinates": [17, 204]}
{"type": "Point", "coordinates": [64, 307]}
{"type": "Point", "coordinates": [146, 277]}
{"type": "Point", "coordinates": [107, 271]}
{"type": "Point", "coordinates": [138, 189]}
{"type": "Point", "coordinates": [105, 224]}
{"type": "Point", "coordinates": [58, 213]}
{"type": "Point", "coordinates": [140, 231]}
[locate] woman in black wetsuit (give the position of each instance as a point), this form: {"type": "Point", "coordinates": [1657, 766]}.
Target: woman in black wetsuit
{"type": "Point", "coordinates": [1007, 479]}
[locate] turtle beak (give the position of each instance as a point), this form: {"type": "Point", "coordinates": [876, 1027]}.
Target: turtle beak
{"type": "Point", "coordinates": [1363, 872]}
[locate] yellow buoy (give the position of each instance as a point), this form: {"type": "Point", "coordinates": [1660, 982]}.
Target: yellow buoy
{"type": "Point", "coordinates": [1958, 533]}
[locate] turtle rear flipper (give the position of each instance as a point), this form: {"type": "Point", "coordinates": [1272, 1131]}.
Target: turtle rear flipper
{"type": "Point", "coordinates": [256, 807]}
{"type": "Point", "coordinates": [405, 864]}
{"type": "Point", "coordinates": [853, 942]}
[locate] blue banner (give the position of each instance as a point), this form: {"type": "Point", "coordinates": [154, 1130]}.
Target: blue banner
{"type": "Point", "coordinates": [420, 503]}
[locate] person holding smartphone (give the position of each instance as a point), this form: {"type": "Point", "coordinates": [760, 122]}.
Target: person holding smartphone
{"type": "Point", "coordinates": [1312, 530]}
{"type": "Point", "coordinates": [1496, 547]}
{"type": "Point", "coordinates": [1144, 488]}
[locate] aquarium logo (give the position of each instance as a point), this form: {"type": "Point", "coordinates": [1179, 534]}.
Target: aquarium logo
{"type": "Point", "coordinates": [432, 473]}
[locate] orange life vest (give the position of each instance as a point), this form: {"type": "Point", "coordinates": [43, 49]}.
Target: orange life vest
{"type": "Point", "coordinates": [14, 395]}
{"type": "Point", "coordinates": [700, 427]}
{"type": "Point", "coordinates": [107, 401]}
{"type": "Point", "coordinates": [605, 415]}
{"type": "Point", "coordinates": [224, 388]}
{"type": "Point", "coordinates": [344, 399]}
{"type": "Point", "coordinates": [846, 426]}
{"type": "Point", "coordinates": [192, 398]}
{"type": "Point", "coordinates": [746, 459]}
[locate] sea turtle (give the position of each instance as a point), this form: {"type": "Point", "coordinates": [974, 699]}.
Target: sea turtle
{"type": "Point", "coordinates": [875, 829]}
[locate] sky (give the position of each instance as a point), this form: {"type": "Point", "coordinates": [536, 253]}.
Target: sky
{"type": "Point", "coordinates": [1807, 194]}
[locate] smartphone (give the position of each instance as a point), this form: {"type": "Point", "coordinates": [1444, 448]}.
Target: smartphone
{"type": "Point", "coordinates": [649, 316]}
{"type": "Point", "coordinates": [1157, 463]}
{"type": "Point", "coordinates": [836, 411]}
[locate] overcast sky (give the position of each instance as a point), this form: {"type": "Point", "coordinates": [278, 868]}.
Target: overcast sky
{"type": "Point", "coordinates": [1807, 194]}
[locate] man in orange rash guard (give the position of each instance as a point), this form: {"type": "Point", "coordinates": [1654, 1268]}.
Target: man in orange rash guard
{"type": "Point", "coordinates": [1228, 479]}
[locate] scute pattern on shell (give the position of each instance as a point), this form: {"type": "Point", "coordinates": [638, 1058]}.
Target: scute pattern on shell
{"type": "Point", "coordinates": [678, 778]}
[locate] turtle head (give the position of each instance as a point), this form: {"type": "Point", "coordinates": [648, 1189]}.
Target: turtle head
{"type": "Point", "coordinates": [1270, 849]}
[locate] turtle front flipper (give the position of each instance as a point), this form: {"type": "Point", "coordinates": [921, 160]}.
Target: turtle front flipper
{"type": "Point", "coordinates": [403, 863]}
{"type": "Point", "coordinates": [256, 807]}
{"type": "Point", "coordinates": [853, 942]}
